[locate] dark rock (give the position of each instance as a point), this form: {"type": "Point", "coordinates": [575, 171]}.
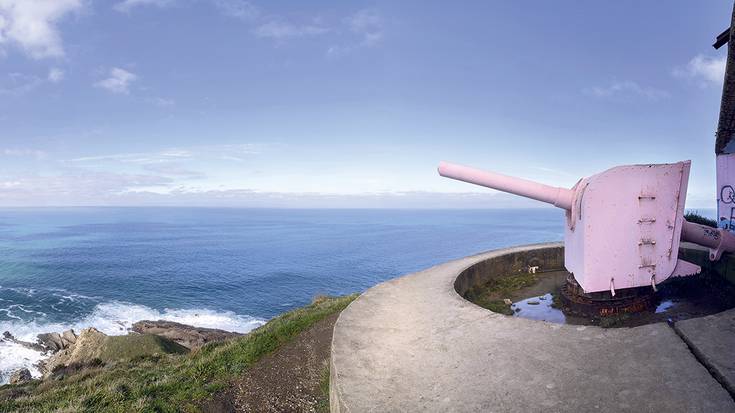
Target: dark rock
{"type": "Point", "coordinates": [51, 341]}
{"type": "Point", "coordinates": [20, 376]}
{"type": "Point", "coordinates": [33, 346]}
{"type": "Point", "coordinates": [68, 338]}
{"type": "Point", "coordinates": [188, 336]}
{"type": "Point", "coordinates": [86, 347]}
{"type": "Point", "coordinates": [56, 342]}
{"type": "Point", "coordinates": [94, 348]}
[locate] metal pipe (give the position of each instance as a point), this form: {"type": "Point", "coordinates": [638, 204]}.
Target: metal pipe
{"type": "Point", "coordinates": [559, 197]}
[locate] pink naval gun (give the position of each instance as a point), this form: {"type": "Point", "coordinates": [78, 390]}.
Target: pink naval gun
{"type": "Point", "coordinates": [623, 226]}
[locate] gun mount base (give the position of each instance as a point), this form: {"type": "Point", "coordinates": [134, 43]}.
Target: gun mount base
{"type": "Point", "coordinates": [602, 304]}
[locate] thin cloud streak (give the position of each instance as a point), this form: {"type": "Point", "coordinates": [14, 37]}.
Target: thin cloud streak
{"type": "Point", "coordinates": [82, 188]}
{"type": "Point", "coordinates": [279, 30]}
{"type": "Point", "coordinates": [174, 154]}
{"type": "Point", "coordinates": [626, 88]}
{"type": "Point", "coordinates": [367, 25]}
{"type": "Point", "coordinates": [18, 84]}
{"type": "Point", "coordinates": [127, 5]}
{"type": "Point", "coordinates": [240, 9]}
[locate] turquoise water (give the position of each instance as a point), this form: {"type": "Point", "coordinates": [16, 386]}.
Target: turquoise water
{"type": "Point", "coordinates": [225, 268]}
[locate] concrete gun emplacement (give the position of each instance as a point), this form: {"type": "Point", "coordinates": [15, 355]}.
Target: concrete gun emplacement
{"type": "Point", "coordinates": [623, 226]}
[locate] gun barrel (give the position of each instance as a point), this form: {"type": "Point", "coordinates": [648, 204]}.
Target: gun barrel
{"type": "Point", "coordinates": [559, 197]}
{"type": "Point", "coordinates": [717, 240]}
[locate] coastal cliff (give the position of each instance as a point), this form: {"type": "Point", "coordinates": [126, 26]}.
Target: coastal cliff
{"type": "Point", "coordinates": [149, 372]}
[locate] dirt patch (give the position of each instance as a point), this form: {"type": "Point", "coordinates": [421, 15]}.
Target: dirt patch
{"type": "Point", "coordinates": [291, 379]}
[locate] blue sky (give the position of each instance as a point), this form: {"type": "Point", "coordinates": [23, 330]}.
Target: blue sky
{"type": "Point", "coordinates": [348, 104]}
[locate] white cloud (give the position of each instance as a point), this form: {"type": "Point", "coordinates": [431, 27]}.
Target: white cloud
{"type": "Point", "coordinates": [139, 189]}
{"type": "Point", "coordinates": [625, 89]}
{"type": "Point", "coordinates": [73, 187]}
{"type": "Point", "coordinates": [707, 70]}
{"type": "Point", "coordinates": [272, 27]}
{"type": "Point", "coordinates": [55, 75]}
{"type": "Point", "coordinates": [240, 9]}
{"type": "Point", "coordinates": [174, 170]}
{"type": "Point", "coordinates": [173, 155]}
{"type": "Point", "coordinates": [141, 158]}
{"type": "Point", "coordinates": [118, 82]}
{"type": "Point", "coordinates": [17, 84]}
{"type": "Point", "coordinates": [35, 153]}
{"type": "Point", "coordinates": [368, 24]}
{"type": "Point", "coordinates": [280, 30]}
{"type": "Point", "coordinates": [336, 51]}
{"type": "Point", "coordinates": [31, 25]}
{"type": "Point", "coordinates": [365, 26]}
{"type": "Point", "coordinates": [162, 102]}
{"type": "Point", "coordinates": [127, 5]}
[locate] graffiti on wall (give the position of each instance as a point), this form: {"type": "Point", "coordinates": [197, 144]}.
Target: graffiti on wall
{"type": "Point", "coordinates": [726, 207]}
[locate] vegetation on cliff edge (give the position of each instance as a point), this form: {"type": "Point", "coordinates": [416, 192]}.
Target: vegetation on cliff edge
{"type": "Point", "coordinates": [167, 382]}
{"type": "Point", "coordinates": [697, 218]}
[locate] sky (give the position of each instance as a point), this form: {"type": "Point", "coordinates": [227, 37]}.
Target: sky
{"type": "Point", "coordinates": [347, 103]}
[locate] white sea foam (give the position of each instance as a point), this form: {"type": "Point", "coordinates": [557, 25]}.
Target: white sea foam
{"type": "Point", "coordinates": [14, 357]}
{"type": "Point", "coordinates": [113, 318]}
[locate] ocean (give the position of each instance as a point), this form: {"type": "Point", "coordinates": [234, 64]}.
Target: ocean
{"type": "Point", "coordinates": [226, 268]}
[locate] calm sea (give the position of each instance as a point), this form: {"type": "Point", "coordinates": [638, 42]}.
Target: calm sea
{"type": "Point", "coordinates": [225, 268]}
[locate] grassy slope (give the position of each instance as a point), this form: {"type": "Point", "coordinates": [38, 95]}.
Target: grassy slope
{"type": "Point", "coordinates": [166, 383]}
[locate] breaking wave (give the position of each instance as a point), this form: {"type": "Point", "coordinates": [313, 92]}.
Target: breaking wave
{"type": "Point", "coordinates": [112, 318]}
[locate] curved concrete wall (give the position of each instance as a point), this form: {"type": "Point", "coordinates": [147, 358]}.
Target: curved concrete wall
{"type": "Point", "coordinates": [550, 257]}
{"type": "Point", "coordinates": [547, 258]}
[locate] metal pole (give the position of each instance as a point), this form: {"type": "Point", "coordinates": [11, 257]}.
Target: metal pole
{"type": "Point", "coordinates": [726, 124]}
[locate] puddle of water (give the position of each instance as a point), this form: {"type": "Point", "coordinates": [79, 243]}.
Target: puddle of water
{"type": "Point", "coordinates": [664, 306]}
{"type": "Point", "coordinates": [680, 299]}
{"type": "Point", "coordinates": [538, 308]}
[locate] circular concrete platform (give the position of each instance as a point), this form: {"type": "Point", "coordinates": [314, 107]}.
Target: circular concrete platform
{"type": "Point", "coordinates": [414, 344]}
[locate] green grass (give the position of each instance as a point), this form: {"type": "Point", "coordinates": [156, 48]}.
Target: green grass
{"type": "Point", "coordinates": [695, 217]}
{"type": "Point", "coordinates": [491, 294]}
{"type": "Point", "coordinates": [165, 383]}
{"type": "Point", "coordinates": [496, 306]}
{"type": "Point", "coordinates": [323, 405]}
{"type": "Point", "coordinates": [135, 346]}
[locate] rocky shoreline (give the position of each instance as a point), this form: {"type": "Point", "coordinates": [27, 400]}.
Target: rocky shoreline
{"type": "Point", "coordinates": [68, 351]}
{"type": "Point", "coordinates": [188, 336]}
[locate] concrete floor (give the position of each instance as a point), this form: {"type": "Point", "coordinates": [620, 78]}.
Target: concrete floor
{"type": "Point", "coordinates": [414, 344]}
